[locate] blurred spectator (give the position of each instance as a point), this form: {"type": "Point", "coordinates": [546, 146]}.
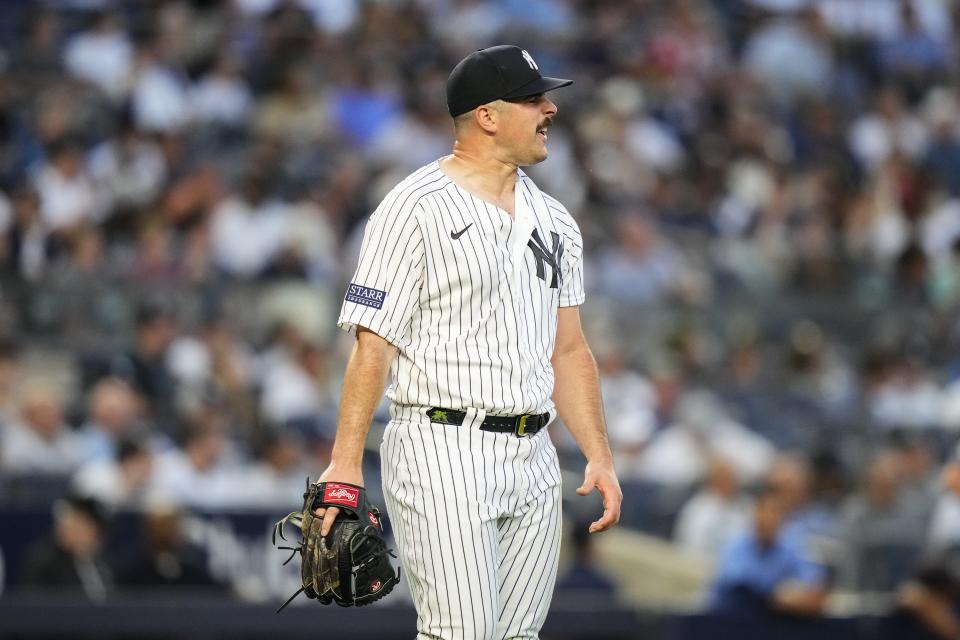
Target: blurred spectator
{"type": "Point", "coordinates": [818, 381]}
{"type": "Point", "coordinates": [37, 60]}
{"type": "Point", "coordinates": [194, 475]}
{"type": "Point", "coordinates": [112, 413]}
{"type": "Point", "coordinates": [889, 128]}
{"type": "Point", "coordinates": [939, 232]}
{"type": "Point", "coordinates": [128, 172]}
{"type": "Point", "coordinates": [102, 55]}
{"type": "Point", "coordinates": [144, 366]}
{"type": "Point", "coordinates": [312, 238]}
{"type": "Point", "coordinates": [71, 560]}
{"type": "Point", "coordinates": [293, 113]}
{"type": "Point", "coordinates": [906, 396]}
{"type": "Point", "coordinates": [122, 481]}
{"type": "Point", "coordinates": [471, 24]}
{"type": "Point", "coordinates": [278, 473]}
{"type": "Point", "coordinates": [643, 268]}
{"type": "Point", "coordinates": [40, 441]}
{"type": "Point", "coordinates": [688, 46]}
{"type": "Point", "coordinates": [363, 104]}
{"type": "Point", "coordinates": [943, 156]}
{"type": "Point", "coordinates": [629, 407]}
{"type": "Point", "coordinates": [156, 261]}
{"type": "Point", "coordinates": [293, 381]}
{"type": "Point", "coordinates": [745, 386]}
{"type": "Point", "coordinates": [679, 454]}
{"type": "Point", "coordinates": [222, 96]}
{"type": "Point", "coordinates": [215, 364]}
{"type": "Point", "coordinates": [159, 91]}
{"type": "Point", "coordinates": [914, 56]}
{"type": "Point", "coordinates": [715, 514]}
{"type": "Point", "coordinates": [917, 461]}
{"type": "Point", "coordinates": [9, 373]}
{"type": "Point", "coordinates": [882, 529]}
{"type": "Point", "coordinates": [26, 244]}
{"type": "Point", "coordinates": [66, 191]}
{"type": "Point", "coordinates": [882, 18]}
{"type": "Point", "coordinates": [166, 560]}
{"type": "Point", "coordinates": [764, 571]}
{"type": "Point", "coordinates": [413, 139]}
{"type": "Point", "coordinates": [792, 56]}
{"type": "Point", "coordinates": [944, 533]}
{"type": "Point", "coordinates": [807, 521]}
{"type": "Point", "coordinates": [248, 229]}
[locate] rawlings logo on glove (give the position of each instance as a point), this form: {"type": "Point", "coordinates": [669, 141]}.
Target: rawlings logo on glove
{"type": "Point", "coordinates": [341, 494]}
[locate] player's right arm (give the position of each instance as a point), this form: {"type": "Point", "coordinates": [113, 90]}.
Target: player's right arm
{"type": "Point", "coordinates": [363, 383]}
{"type": "Point", "coordinates": [378, 303]}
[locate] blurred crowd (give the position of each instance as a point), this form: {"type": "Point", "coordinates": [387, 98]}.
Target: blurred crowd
{"type": "Point", "coordinates": [769, 191]}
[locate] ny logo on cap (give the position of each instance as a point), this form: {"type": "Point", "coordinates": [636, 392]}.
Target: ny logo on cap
{"type": "Point", "coordinates": [529, 59]}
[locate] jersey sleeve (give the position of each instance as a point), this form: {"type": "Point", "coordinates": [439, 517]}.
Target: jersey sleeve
{"type": "Point", "coordinates": [384, 290]}
{"type": "Point", "coordinates": [572, 291]}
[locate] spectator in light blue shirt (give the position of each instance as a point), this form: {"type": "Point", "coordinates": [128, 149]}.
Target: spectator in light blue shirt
{"type": "Point", "coordinates": [764, 571]}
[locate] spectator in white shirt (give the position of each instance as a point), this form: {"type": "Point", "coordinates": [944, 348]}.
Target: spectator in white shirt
{"type": "Point", "coordinates": [294, 380]}
{"type": "Point", "coordinates": [194, 475]}
{"type": "Point", "coordinates": [101, 55]}
{"type": "Point", "coordinates": [40, 441]}
{"type": "Point", "coordinates": [715, 514]}
{"type": "Point", "coordinates": [128, 170]}
{"type": "Point", "coordinates": [159, 93]}
{"type": "Point", "coordinates": [887, 129]}
{"type": "Point", "coordinates": [222, 97]}
{"type": "Point", "coordinates": [66, 192]}
{"type": "Point", "coordinates": [630, 406]}
{"type": "Point", "coordinates": [249, 229]}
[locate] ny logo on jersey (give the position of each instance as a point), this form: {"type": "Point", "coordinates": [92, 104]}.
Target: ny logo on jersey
{"type": "Point", "coordinates": [529, 59]}
{"type": "Point", "coordinates": [549, 256]}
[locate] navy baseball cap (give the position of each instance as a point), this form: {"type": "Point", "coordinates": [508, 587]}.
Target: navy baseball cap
{"type": "Point", "coordinates": [496, 73]}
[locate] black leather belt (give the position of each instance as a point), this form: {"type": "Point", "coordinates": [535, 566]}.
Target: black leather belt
{"type": "Point", "coordinates": [521, 426]}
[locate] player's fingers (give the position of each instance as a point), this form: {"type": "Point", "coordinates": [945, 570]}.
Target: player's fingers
{"type": "Point", "coordinates": [587, 486]}
{"type": "Point", "coordinates": [319, 512]}
{"type": "Point", "coordinates": [610, 517]}
{"type": "Point", "coordinates": [611, 508]}
{"type": "Point", "coordinates": [328, 519]}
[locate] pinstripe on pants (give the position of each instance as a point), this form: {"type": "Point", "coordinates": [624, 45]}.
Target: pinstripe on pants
{"type": "Point", "coordinates": [477, 521]}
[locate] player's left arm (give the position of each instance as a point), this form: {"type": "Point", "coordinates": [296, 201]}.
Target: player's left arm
{"type": "Point", "coordinates": [576, 393]}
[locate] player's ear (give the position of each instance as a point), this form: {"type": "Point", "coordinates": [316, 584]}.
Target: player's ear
{"type": "Point", "coordinates": [487, 116]}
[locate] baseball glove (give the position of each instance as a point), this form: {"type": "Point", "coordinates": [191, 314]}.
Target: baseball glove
{"type": "Point", "coordinates": [349, 566]}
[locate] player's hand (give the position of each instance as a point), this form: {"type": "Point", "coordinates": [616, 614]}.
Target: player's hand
{"type": "Point", "coordinates": [333, 473]}
{"type": "Point", "coordinates": [604, 478]}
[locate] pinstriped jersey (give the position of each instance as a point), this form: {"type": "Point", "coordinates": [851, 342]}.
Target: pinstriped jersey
{"type": "Point", "coordinates": [467, 293]}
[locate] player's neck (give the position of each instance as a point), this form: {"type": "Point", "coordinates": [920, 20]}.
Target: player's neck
{"type": "Point", "coordinates": [486, 177]}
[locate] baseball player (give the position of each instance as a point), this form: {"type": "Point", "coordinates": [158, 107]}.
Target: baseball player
{"type": "Point", "coordinates": [467, 291]}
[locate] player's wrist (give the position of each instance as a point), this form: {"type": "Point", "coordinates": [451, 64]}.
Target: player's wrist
{"type": "Point", "coordinates": [344, 471]}
{"type": "Point", "coordinates": [603, 460]}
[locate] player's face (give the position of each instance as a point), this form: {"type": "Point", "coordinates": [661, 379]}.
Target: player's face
{"type": "Point", "coordinates": [523, 131]}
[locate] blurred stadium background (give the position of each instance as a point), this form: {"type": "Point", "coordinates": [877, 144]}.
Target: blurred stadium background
{"type": "Point", "coordinates": [770, 193]}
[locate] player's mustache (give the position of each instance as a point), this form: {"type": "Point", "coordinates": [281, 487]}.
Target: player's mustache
{"type": "Point", "coordinates": [546, 123]}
